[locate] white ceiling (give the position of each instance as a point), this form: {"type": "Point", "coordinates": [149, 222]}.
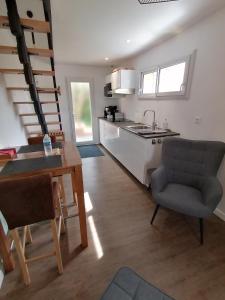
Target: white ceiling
{"type": "Point", "coordinates": [87, 31]}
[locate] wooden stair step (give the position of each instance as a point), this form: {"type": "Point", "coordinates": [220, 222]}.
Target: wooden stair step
{"type": "Point", "coordinates": [34, 114]}
{"type": "Point", "coordinates": [44, 72]}
{"type": "Point", "coordinates": [31, 51]}
{"type": "Point", "coordinates": [37, 124]}
{"type": "Point", "coordinates": [40, 90]}
{"type": "Point", "coordinates": [29, 102]}
{"type": "Point", "coordinates": [57, 133]}
{"type": "Point", "coordinates": [20, 71]}
{"type": "Point", "coordinates": [28, 24]}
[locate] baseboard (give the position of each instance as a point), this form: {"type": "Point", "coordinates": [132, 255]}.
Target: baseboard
{"type": "Point", "coordinates": [219, 213]}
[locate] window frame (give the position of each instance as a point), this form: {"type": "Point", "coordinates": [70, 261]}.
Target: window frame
{"type": "Point", "coordinates": [147, 95]}
{"type": "Point", "coordinates": [185, 60]}
{"type": "Point", "coordinates": [183, 94]}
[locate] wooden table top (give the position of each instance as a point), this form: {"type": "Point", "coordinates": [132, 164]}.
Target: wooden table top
{"type": "Point", "coordinates": [70, 158]}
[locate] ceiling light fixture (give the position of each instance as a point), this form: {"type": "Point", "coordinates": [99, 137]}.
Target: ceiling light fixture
{"type": "Point", "coordinates": [154, 1]}
{"type": "Point", "coordinates": [106, 58]}
{"type": "Point", "coordinates": [128, 41]}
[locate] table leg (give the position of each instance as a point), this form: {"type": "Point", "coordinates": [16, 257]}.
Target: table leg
{"type": "Point", "coordinates": [5, 252]}
{"type": "Point", "coordinates": [77, 182]}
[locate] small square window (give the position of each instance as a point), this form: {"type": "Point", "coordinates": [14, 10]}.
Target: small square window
{"type": "Point", "coordinates": [171, 79]}
{"type": "Point", "coordinates": [148, 86]}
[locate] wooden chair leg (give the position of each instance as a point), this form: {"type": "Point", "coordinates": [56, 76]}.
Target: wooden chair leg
{"type": "Point", "coordinates": [57, 246]}
{"type": "Point", "coordinates": [21, 257]}
{"type": "Point", "coordinates": [75, 199]}
{"type": "Point", "coordinates": [5, 251]}
{"type": "Point", "coordinates": [63, 196]}
{"type": "Point", "coordinates": [29, 236]}
{"type": "Point", "coordinates": [60, 214]}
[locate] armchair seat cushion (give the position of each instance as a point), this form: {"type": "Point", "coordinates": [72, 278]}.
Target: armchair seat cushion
{"type": "Point", "coordinates": [183, 199]}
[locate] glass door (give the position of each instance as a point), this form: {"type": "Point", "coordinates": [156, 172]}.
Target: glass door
{"type": "Point", "coordinates": [82, 112]}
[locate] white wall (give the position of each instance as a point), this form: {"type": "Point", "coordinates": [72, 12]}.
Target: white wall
{"type": "Point", "coordinates": [64, 72]}
{"type": "Point", "coordinates": [207, 98]}
{"type": "Point", "coordinates": [11, 130]}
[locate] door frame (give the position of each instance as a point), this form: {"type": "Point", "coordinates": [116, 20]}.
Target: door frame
{"type": "Point", "coordinates": [93, 111]}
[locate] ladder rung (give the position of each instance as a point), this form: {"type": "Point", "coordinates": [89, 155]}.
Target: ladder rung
{"type": "Point", "coordinates": [40, 90]}
{"type": "Point", "coordinates": [28, 24]}
{"type": "Point", "coordinates": [37, 124]}
{"type": "Point", "coordinates": [42, 102]}
{"type": "Point", "coordinates": [31, 51]}
{"type": "Point", "coordinates": [34, 114]}
{"type": "Point", "coordinates": [20, 71]}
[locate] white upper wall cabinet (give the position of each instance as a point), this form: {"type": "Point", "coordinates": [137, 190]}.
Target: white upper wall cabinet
{"type": "Point", "coordinates": [124, 81]}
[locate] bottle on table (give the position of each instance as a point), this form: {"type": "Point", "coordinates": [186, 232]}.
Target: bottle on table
{"type": "Point", "coordinates": [47, 143]}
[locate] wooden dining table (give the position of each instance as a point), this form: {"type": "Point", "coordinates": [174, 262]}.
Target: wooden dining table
{"type": "Point", "coordinates": [31, 160]}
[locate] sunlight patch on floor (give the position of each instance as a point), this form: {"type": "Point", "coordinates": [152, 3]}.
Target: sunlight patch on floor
{"type": "Point", "coordinates": [88, 203]}
{"type": "Point", "coordinates": [98, 246]}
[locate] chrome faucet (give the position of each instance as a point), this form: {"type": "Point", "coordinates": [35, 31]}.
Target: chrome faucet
{"type": "Point", "coordinates": [154, 124]}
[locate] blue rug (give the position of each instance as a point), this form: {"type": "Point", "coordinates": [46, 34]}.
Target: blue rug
{"type": "Point", "coordinates": [90, 151]}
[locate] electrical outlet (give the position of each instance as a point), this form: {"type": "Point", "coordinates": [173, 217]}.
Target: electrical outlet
{"type": "Point", "coordinates": [198, 120]}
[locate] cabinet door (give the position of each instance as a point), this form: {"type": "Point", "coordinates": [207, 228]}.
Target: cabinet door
{"type": "Point", "coordinates": [102, 131]}
{"type": "Point", "coordinates": [116, 80]}
{"type": "Point", "coordinates": [111, 137]}
{"type": "Point", "coordinates": [152, 158]}
{"type": "Point", "coordinates": [132, 153]}
{"type": "Point", "coordinates": [128, 79]}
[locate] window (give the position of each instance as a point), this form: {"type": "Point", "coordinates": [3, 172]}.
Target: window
{"type": "Point", "coordinates": [166, 80]}
{"type": "Point", "coordinates": [171, 79]}
{"type": "Point", "coordinates": [149, 83]}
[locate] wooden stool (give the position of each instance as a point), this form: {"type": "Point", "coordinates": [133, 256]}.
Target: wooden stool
{"type": "Point", "coordinates": [27, 201]}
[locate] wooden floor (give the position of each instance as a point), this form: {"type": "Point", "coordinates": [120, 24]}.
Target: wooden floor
{"type": "Point", "coordinates": [167, 254]}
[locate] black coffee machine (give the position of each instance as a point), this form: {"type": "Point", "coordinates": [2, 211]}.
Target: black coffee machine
{"type": "Point", "coordinates": [110, 111]}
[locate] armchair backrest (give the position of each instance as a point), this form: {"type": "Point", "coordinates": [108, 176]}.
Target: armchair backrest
{"type": "Point", "coordinates": [27, 200]}
{"type": "Point", "coordinates": [187, 160]}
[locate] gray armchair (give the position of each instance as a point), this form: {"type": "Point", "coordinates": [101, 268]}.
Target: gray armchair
{"type": "Point", "coordinates": [186, 180]}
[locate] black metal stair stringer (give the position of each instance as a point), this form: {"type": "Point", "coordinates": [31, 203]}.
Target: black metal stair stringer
{"type": "Point", "coordinates": [17, 30]}
{"type": "Point", "coordinates": [48, 18]}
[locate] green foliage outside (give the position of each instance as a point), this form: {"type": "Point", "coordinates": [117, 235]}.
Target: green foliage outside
{"type": "Point", "coordinates": [86, 112]}
{"type": "Point", "coordinates": [83, 102]}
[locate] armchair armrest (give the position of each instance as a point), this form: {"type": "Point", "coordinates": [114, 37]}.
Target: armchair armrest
{"type": "Point", "coordinates": [158, 179]}
{"type": "Point", "coordinates": [212, 192]}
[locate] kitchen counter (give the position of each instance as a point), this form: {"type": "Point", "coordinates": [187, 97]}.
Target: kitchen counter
{"type": "Point", "coordinates": [120, 124]}
{"type": "Point", "coordinates": [123, 124]}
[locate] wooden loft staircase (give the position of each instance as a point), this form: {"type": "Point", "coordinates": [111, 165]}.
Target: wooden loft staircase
{"type": "Point", "coordinates": [38, 116]}
{"type": "Point", "coordinates": [28, 25]}
{"type": "Point", "coordinates": [21, 71]}
{"type": "Point", "coordinates": [31, 51]}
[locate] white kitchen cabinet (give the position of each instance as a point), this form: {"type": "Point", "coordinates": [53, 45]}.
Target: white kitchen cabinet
{"type": "Point", "coordinates": [137, 154]}
{"type": "Point", "coordinates": [123, 81]}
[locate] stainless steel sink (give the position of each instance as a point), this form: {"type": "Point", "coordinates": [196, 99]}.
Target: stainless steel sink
{"type": "Point", "coordinates": [138, 127]}
{"type": "Point", "coordinates": [145, 129]}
